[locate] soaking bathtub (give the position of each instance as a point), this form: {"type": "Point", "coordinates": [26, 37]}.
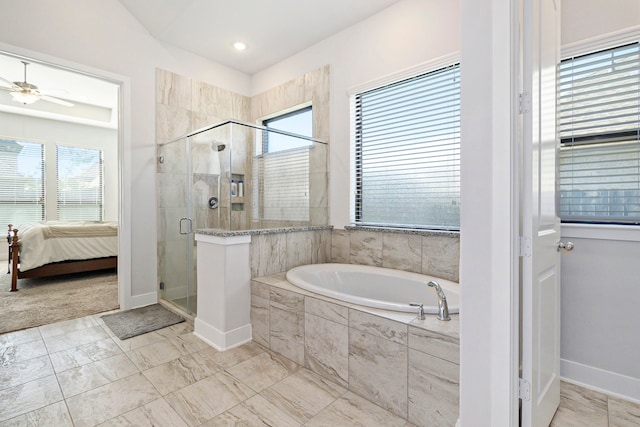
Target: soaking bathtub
{"type": "Point", "coordinates": [375, 287]}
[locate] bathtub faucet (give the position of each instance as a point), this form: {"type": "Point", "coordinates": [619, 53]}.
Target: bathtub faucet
{"type": "Point", "coordinates": [420, 309]}
{"type": "Point", "coordinates": [443, 307]}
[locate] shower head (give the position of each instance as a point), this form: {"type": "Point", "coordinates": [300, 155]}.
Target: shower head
{"type": "Point", "coordinates": [217, 145]}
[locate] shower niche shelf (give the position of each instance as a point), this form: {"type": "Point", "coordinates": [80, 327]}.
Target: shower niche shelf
{"type": "Point", "coordinates": [237, 200]}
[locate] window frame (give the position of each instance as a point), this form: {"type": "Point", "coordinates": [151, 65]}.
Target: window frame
{"type": "Point", "coordinates": [41, 203]}
{"type": "Point", "coordinates": [576, 52]}
{"type": "Point", "coordinates": [442, 64]}
{"type": "Point", "coordinates": [277, 117]}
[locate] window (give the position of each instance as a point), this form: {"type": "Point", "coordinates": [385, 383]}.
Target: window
{"type": "Point", "coordinates": [407, 153]}
{"type": "Point", "coordinates": [299, 122]}
{"type": "Point", "coordinates": [21, 182]}
{"type": "Point", "coordinates": [281, 169]}
{"type": "Point", "coordinates": [79, 184]}
{"type": "Point", "coordinates": [599, 117]}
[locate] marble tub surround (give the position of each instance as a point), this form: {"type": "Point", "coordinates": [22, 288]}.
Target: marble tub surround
{"type": "Point", "coordinates": [427, 252]}
{"type": "Point", "coordinates": [274, 250]}
{"type": "Point", "coordinates": [415, 361]}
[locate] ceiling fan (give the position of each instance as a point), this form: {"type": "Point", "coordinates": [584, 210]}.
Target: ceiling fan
{"type": "Point", "coordinates": [27, 93]}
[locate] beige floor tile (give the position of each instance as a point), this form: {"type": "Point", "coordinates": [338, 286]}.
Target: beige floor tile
{"type": "Point", "coordinates": [19, 337]}
{"type": "Point", "coordinates": [74, 339]}
{"type": "Point", "coordinates": [176, 330]}
{"type": "Point", "coordinates": [24, 371]}
{"type": "Point", "coordinates": [576, 394]}
{"type": "Point", "coordinates": [623, 413]}
{"type": "Point", "coordinates": [204, 400]}
{"type": "Point", "coordinates": [303, 394]}
{"type": "Point", "coordinates": [28, 397]}
{"type": "Point", "coordinates": [111, 400]}
{"type": "Point", "coordinates": [353, 410]}
{"type": "Point", "coordinates": [580, 407]}
{"type": "Point", "coordinates": [87, 377]}
{"type": "Point", "coordinates": [156, 354]}
{"type": "Point", "coordinates": [55, 414]}
{"type": "Point", "coordinates": [22, 352]}
{"type": "Point", "coordinates": [67, 326]}
{"type": "Point", "coordinates": [84, 354]}
{"type": "Point", "coordinates": [214, 359]}
{"type": "Point", "coordinates": [176, 374]}
{"type": "Point", "coordinates": [253, 412]}
{"type": "Point", "coordinates": [135, 342]}
{"type": "Point", "coordinates": [264, 370]}
{"type": "Point", "coordinates": [154, 414]}
{"type": "Point", "coordinates": [189, 342]}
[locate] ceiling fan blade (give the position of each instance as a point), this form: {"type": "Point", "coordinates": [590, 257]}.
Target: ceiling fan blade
{"type": "Point", "coordinates": [54, 92]}
{"type": "Point", "coordinates": [56, 100]}
{"type": "Point", "coordinates": [6, 82]}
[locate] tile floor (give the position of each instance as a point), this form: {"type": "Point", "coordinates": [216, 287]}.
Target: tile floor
{"type": "Point", "coordinates": [76, 373]}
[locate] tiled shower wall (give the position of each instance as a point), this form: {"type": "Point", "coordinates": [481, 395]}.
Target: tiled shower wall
{"type": "Point", "coordinates": [312, 88]}
{"type": "Point", "coordinates": [183, 105]}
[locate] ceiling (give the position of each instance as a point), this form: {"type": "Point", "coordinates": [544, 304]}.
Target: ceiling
{"type": "Point", "coordinates": [272, 29]}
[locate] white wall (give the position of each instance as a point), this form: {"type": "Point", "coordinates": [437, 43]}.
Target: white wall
{"type": "Point", "coordinates": [584, 19]}
{"type": "Point", "coordinates": [404, 35]}
{"type": "Point", "coordinates": [54, 132]}
{"type": "Point", "coordinates": [103, 36]}
{"type": "Point", "coordinates": [600, 278]}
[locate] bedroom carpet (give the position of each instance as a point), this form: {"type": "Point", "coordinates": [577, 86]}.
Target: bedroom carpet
{"type": "Point", "coordinates": [52, 299]}
{"type": "Point", "coordinates": [130, 323]}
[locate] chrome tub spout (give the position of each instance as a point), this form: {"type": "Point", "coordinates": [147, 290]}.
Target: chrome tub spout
{"type": "Point", "coordinates": [443, 307]}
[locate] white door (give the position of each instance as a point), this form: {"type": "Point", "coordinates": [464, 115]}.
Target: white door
{"type": "Point", "coordinates": [540, 225]}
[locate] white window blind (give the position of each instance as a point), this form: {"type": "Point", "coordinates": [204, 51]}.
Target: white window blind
{"type": "Point", "coordinates": [407, 153]}
{"type": "Point", "coordinates": [21, 182]}
{"type": "Point", "coordinates": [282, 180]}
{"type": "Point", "coordinates": [80, 182]}
{"type": "Point", "coordinates": [599, 116]}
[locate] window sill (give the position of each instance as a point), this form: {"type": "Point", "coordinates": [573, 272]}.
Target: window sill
{"type": "Point", "coordinates": [414, 231]}
{"type": "Point", "coordinates": [629, 233]}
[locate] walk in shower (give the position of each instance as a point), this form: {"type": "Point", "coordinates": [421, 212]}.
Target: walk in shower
{"type": "Point", "coordinates": [232, 176]}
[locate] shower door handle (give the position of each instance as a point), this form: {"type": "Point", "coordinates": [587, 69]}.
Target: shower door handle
{"type": "Point", "coordinates": [184, 218]}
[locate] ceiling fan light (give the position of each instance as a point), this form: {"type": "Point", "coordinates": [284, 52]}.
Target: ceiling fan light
{"type": "Point", "coordinates": [24, 97]}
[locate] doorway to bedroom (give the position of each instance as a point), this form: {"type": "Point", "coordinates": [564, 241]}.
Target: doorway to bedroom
{"type": "Point", "coordinates": [59, 182]}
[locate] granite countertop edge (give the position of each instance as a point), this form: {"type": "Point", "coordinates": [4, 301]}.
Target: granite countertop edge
{"type": "Point", "coordinates": [228, 233]}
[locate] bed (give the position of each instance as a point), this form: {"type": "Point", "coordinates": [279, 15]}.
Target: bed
{"type": "Point", "coordinates": [52, 248]}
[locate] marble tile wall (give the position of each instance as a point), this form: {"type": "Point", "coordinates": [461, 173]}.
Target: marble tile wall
{"type": "Point", "coordinates": [183, 105]}
{"type": "Point", "coordinates": [310, 88]}
{"type": "Point", "coordinates": [430, 253]}
{"type": "Point", "coordinates": [278, 252]}
{"type": "Point", "coordinates": [404, 368]}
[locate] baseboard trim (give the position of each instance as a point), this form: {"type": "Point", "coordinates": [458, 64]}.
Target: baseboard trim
{"type": "Point", "coordinates": [600, 380]}
{"type": "Point", "coordinates": [221, 340]}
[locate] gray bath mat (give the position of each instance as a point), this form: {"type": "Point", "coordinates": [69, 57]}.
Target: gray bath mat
{"type": "Point", "coordinates": [138, 321]}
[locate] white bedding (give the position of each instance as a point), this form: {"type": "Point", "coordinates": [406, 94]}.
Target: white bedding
{"type": "Point", "coordinates": [51, 241]}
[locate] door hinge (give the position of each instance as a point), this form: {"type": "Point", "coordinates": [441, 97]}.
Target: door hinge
{"type": "Point", "coordinates": [525, 246]}
{"type": "Point", "coordinates": [525, 102]}
{"type": "Point", "coordinates": [524, 389]}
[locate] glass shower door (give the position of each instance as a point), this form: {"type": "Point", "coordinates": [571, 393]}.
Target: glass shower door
{"type": "Point", "coordinates": [176, 248]}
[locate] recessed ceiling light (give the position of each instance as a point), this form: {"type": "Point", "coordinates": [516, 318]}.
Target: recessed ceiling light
{"type": "Point", "coordinates": [239, 46]}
